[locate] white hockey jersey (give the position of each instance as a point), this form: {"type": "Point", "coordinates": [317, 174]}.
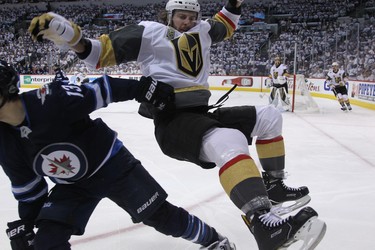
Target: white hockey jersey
{"type": "Point", "coordinates": [277, 72]}
{"type": "Point", "coordinates": [338, 78]}
{"type": "Point", "coordinates": [179, 59]}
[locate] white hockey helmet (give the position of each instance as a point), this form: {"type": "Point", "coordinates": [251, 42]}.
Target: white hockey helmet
{"type": "Point", "coordinates": [190, 5]}
{"type": "Point", "coordinates": [335, 64]}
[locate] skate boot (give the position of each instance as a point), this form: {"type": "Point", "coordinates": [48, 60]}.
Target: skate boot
{"type": "Point", "coordinates": [349, 106]}
{"type": "Point", "coordinates": [222, 244]}
{"type": "Point", "coordinates": [272, 232]}
{"type": "Point", "coordinates": [284, 199]}
{"type": "Point", "coordinates": [343, 107]}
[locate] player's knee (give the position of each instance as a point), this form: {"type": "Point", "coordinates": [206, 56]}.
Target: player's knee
{"type": "Point", "coordinates": [169, 220]}
{"type": "Point", "coordinates": [223, 144]}
{"type": "Point", "coordinates": [52, 235]}
{"type": "Point", "coordinates": [275, 121]}
{"type": "Point", "coordinates": [269, 122]}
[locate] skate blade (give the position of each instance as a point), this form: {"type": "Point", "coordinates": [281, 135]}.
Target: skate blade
{"type": "Point", "coordinates": [311, 233]}
{"type": "Point", "coordinates": [280, 210]}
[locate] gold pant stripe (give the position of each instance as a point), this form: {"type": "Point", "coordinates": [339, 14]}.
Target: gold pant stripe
{"type": "Point", "coordinates": [193, 88]}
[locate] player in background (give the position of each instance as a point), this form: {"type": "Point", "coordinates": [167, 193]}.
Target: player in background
{"type": "Point", "coordinates": [77, 78]}
{"type": "Point", "coordinates": [47, 133]}
{"type": "Point", "coordinates": [279, 83]}
{"type": "Point", "coordinates": [177, 52]}
{"type": "Point", "coordinates": [60, 75]}
{"type": "Point", "coordinates": [337, 79]}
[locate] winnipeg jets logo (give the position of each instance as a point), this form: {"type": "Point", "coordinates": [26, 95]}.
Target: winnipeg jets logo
{"type": "Point", "coordinates": [25, 131]}
{"type": "Point", "coordinates": [43, 92]}
{"type": "Point", "coordinates": [61, 160]}
{"type": "Point", "coordinates": [60, 166]}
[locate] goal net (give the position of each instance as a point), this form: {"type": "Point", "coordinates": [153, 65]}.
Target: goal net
{"type": "Point", "coordinates": [301, 99]}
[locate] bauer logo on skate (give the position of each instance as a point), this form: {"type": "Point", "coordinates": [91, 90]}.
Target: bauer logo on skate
{"type": "Point", "coordinates": [61, 160]}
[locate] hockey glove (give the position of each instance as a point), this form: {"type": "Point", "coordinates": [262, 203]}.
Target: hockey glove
{"type": "Point", "coordinates": [55, 28]}
{"type": "Point", "coordinates": [159, 94]}
{"type": "Point", "coordinates": [234, 6]}
{"type": "Point", "coordinates": [21, 235]}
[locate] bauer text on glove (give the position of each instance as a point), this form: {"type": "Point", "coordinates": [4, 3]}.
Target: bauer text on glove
{"type": "Point", "coordinates": [21, 235]}
{"type": "Point", "coordinates": [159, 94]}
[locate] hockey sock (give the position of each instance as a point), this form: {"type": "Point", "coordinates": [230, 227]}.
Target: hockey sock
{"type": "Point", "coordinates": [177, 222]}
{"type": "Point", "coordinates": [271, 153]}
{"type": "Point", "coordinates": [242, 182]}
{"type": "Point", "coordinates": [199, 232]}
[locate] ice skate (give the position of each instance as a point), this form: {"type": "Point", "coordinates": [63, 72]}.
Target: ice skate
{"type": "Point", "coordinates": [222, 244]}
{"type": "Point", "coordinates": [274, 233]}
{"type": "Point", "coordinates": [343, 108]}
{"type": "Point", "coordinates": [349, 107]}
{"type": "Point", "coordinates": [284, 199]}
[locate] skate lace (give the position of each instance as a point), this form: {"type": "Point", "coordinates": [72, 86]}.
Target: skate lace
{"type": "Point", "coordinates": [272, 220]}
{"type": "Point", "coordinates": [289, 188]}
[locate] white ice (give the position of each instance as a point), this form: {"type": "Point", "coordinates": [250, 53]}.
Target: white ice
{"type": "Point", "coordinates": [331, 152]}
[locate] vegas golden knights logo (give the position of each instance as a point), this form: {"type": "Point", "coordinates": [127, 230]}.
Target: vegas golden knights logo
{"type": "Point", "coordinates": [188, 53]}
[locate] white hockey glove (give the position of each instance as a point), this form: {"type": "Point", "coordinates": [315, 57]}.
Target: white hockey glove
{"type": "Point", "coordinates": [55, 28]}
{"type": "Point", "coordinates": [269, 82]}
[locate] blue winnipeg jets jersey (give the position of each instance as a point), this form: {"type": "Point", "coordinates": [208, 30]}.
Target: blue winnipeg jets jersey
{"type": "Point", "coordinates": [61, 76]}
{"type": "Point", "coordinates": [57, 138]}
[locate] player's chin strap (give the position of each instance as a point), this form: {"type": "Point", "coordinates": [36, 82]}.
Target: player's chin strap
{"type": "Point", "coordinates": [222, 99]}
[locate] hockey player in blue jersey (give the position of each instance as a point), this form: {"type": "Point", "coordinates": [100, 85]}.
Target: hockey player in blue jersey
{"type": "Point", "coordinates": [60, 75]}
{"type": "Point", "coordinates": [48, 133]}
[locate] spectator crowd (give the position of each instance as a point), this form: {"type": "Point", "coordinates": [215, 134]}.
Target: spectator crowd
{"type": "Point", "coordinates": [315, 32]}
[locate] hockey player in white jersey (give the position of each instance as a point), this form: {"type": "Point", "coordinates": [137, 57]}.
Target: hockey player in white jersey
{"type": "Point", "coordinates": [177, 52]}
{"type": "Point", "coordinates": [337, 79]}
{"type": "Point", "coordinates": [279, 85]}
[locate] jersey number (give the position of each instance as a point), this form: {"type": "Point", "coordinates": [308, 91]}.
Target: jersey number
{"type": "Point", "coordinates": [72, 90]}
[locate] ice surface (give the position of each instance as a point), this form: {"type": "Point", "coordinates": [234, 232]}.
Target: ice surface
{"type": "Point", "coordinates": [331, 152]}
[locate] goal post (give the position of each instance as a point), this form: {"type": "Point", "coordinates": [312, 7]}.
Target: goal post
{"type": "Point", "coordinates": [301, 97]}
{"type": "Point", "coordinates": [302, 101]}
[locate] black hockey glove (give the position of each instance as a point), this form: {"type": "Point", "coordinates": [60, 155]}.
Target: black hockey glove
{"type": "Point", "coordinates": [159, 94]}
{"type": "Point", "coordinates": [234, 6]}
{"type": "Point", "coordinates": [21, 235]}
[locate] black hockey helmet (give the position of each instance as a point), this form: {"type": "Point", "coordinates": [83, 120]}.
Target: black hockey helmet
{"type": "Point", "coordinates": [9, 81]}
